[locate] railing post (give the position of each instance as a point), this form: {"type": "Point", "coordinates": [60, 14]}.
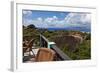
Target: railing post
{"type": "Point", "coordinates": [41, 41]}
{"type": "Point", "coordinates": [50, 43]}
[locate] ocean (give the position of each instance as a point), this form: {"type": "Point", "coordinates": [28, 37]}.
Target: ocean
{"type": "Point", "coordinates": [71, 28]}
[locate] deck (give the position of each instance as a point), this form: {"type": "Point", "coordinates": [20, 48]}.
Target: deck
{"type": "Point", "coordinates": [44, 42]}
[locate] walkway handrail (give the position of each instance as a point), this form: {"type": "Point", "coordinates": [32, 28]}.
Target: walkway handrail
{"type": "Point", "coordinates": [44, 38]}
{"type": "Point", "coordinates": [44, 42]}
{"type": "Point", "coordinates": [61, 54]}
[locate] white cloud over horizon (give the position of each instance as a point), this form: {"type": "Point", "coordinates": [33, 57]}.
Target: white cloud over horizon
{"type": "Point", "coordinates": [71, 19]}
{"type": "Point", "coordinates": [78, 18]}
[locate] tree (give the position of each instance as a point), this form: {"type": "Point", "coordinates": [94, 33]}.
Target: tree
{"type": "Point", "coordinates": [23, 26]}
{"type": "Point", "coordinates": [88, 36]}
{"type": "Point", "coordinates": [31, 26]}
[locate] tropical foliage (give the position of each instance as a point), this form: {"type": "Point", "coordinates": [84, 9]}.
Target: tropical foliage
{"type": "Point", "coordinates": [68, 44]}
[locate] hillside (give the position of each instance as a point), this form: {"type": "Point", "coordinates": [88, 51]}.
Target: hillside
{"type": "Point", "coordinates": [76, 44]}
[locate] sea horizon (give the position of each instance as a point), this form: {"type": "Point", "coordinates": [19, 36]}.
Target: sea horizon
{"type": "Point", "coordinates": [69, 29]}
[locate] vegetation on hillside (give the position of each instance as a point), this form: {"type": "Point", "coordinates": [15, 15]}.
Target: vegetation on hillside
{"type": "Point", "coordinates": [70, 45]}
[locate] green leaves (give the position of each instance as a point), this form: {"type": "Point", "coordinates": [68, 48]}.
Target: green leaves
{"type": "Point", "coordinates": [81, 51]}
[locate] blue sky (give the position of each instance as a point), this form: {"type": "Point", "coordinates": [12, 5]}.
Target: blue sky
{"type": "Point", "coordinates": [53, 19]}
{"type": "Point", "coordinates": [44, 14]}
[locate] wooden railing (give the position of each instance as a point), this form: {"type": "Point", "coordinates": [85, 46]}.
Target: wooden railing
{"type": "Point", "coordinates": [60, 54]}
{"type": "Point", "coordinates": [43, 41]}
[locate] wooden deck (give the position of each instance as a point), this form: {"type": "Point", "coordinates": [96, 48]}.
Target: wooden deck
{"type": "Point", "coordinates": [34, 50]}
{"type": "Point", "coordinates": [60, 55]}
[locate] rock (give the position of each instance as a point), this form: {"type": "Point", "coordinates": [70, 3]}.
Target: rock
{"type": "Point", "coordinates": [71, 41]}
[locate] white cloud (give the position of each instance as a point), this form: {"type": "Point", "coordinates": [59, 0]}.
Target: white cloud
{"type": "Point", "coordinates": [72, 19]}
{"type": "Point", "coordinates": [37, 22]}
{"type": "Point", "coordinates": [78, 19]}
{"type": "Point", "coordinates": [27, 21]}
{"type": "Point", "coordinates": [87, 18]}
{"type": "Point", "coordinates": [27, 13]}
{"type": "Point", "coordinates": [40, 19]}
{"type": "Point", "coordinates": [51, 19]}
{"type": "Point", "coordinates": [48, 20]}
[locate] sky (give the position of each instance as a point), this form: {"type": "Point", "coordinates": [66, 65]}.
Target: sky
{"type": "Point", "coordinates": [54, 19]}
